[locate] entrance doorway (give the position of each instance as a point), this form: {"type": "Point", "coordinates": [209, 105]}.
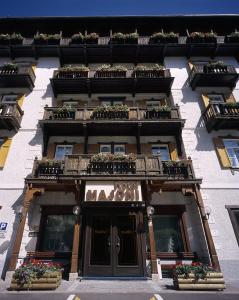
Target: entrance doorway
{"type": "Point", "coordinates": [113, 245]}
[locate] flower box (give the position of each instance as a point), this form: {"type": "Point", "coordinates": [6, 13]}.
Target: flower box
{"type": "Point", "coordinates": [201, 37]}
{"type": "Point", "coordinates": [148, 73]}
{"type": "Point", "coordinates": [49, 281]}
{"type": "Point", "coordinates": [163, 38]}
{"type": "Point", "coordinates": [212, 281]}
{"type": "Point", "coordinates": [79, 38]}
{"type": "Point", "coordinates": [197, 276]}
{"type": "Point", "coordinates": [110, 74]}
{"type": "Point", "coordinates": [120, 38]}
{"type": "Point", "coordinates": [36, 275]}
{"type": "Point", "coordinates": [47, 39]}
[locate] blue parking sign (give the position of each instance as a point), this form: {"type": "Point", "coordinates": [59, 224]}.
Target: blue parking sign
{"type": "Point", "coordinates": [3, 226]}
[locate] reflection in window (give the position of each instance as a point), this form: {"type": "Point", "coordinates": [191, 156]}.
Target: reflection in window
{"type": "Point", "coordinates": [119, 149]}
{"type": "Point", "coordinates": [62, 150]}
{"type": "Point", "coordinates": [58, 233]}
{"type": "Point", "coordinates": [167, 233]}
{"type": "Point", "coordinates": [105, 148]}
{"type": "Point", "coordinates": [161, 150]}
{"type": "Point", "coordinates": [232, 148]}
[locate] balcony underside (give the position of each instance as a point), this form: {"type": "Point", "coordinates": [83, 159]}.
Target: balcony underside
{"type": "Point", "coordinates": [119, 53]}
{"type": "Point", "coordinates": [112, 127]}
{"type": "Point", "coordinates": [217, 123]}
{"type": "Point", "coordinates": [111, 85]}
{"type": "Point", "coordinates": [16, 81]}
{"type": "Point", "coordinates": [214, 80]}
{"type": "Point", "coordinates": [9, 123]}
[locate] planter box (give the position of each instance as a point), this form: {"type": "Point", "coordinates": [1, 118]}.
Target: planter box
{"type": "Point", "coordinates": [122, 41]}
{"type": "Point", "coordinates": [49, 281]}
{"type": "Point", "coordinates": [110, 115]}
{"type": "Point", "coordinates": [213, 281]}
{"type": "Point", "coordinates": [46, 42]}
{"type": "Point", "coordinates": [199, 40]}
{"type": "Point", "coordinates": [110, 74]}
{"type": "Point", "coordinates": [165, 40]}
{"type": "Point", "coordinates": [149, 74]}
{"type": "Point", "coordinates": [231, 39]}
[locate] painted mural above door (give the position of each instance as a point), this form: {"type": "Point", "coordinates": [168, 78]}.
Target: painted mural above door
{"type": "Point", "coordinates": [121, 191]}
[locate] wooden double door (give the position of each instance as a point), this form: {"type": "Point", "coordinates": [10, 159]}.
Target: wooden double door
{"type": "Point", "coordinates": [113, 244]}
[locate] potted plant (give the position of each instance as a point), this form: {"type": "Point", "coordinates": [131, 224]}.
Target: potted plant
{"type": "Point", "coordinates": [71, 71]}
{"type": "Point", "coordinates": [110, 112]}
{"type": "Point", "coordinates": [215, 67]}
{"type": "Point", "coordinates": [16, 39]}
{"type": "Point", "coordinates": [64, 112]}
{"type": "Point", "coordinates": [77, 38]}
{"type": "Point", "coordinates": [105, 71]}
{"type": "Point", "coordinates": [201, 37]}
{"type": "Point", "coordinates": [158, 112]}
{"type": "Point", "coordinates": [4, 39]}
{"type": "Point", "coordinates": [49, 167]}
{"type": "Point", "coordinates": [197, 276]}
{"type": "Point", "coordinates": [163, 38]}
{"type": "Point", "coordinates": [9, 68]}
{"type": "Point", "coordinates": [153, 71]}
{"type": "Point", "coordinates": [175, 169]}
{"type": "Point", "coordinates": [121, 38]}
{"type": "Point", "coordinates": [37, 275]}
{"type": "Point", "coordinates": [232, 37]}
{"type": "Point", "coordinates": [91, 38]}
{"type": "Point", "coordinates": [47, 39]}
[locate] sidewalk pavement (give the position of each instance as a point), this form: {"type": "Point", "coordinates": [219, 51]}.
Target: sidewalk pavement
{"type": "Point", "coordinates": [121, 286]}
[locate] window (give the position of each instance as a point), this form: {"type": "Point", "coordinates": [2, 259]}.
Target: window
{"type": "Point", "coordinates": [151, 104]}
{"type": "Point", "coordinates": [167, 233]}
{"type": "Point", "coordinates": [161, 150]}
{"type": "Point", "coordinates": [114, 148]}
{"type": "Point", "coordinates": [105, 148]}
{"type": "Point", "coordinates": [57, 233]}
{"type": "Point", "coordinates": [111, 102]}
{"type": "Point", "coordinates": [234, 216]}
{"type": "Point", "coordinates": [62, 150]}
{"type": "Point", "coordinates": [70, 103]}
{"type": "Point", "coordinates": [9, 99]}
{"type": "Point", "coordinates": [119, 149]}
{"type": "Point", "coordinates": [232, 149]}
{"type": "Point", "coordinates": [216, 98]}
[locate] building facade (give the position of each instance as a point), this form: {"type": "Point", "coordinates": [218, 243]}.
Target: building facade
{"type": "Point", "coordinates": [119, 147]}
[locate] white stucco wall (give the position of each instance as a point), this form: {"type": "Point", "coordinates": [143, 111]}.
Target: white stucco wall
{"type": "Point", "coordinates": [219, 187]}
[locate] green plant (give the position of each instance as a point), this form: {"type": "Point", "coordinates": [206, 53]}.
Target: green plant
{"type": "Point", "coordinates": [109, 68]}
{"type": "Point", "coordinates": [77, 36]}
{"type": "Point", "coordinates": [46, 37]}
{"type": "Point", "coordinates": [163, 108]}
{"type": "Point", "coordinates": [70, 68]}
{"type": "Point", "coordinates": [122, 36]}
{"type": "Point", "coordinates": [158, 35]}
{"type": "Point", "coordinates": [111, 108]}
{"type": "Point", "coordinates": [198, 269]}
{"type": "Point", "coordinates": [155, 67]}
{"type": "Point", "coordinates": [210, 34]}
{"type": "Point", "coordinates": [5, 37]}
{"type": "Point", "coordinates": [16, 36]}
{"type": "Point", "coordinates": [215, 64]}
{"type": "Point", "coordinates": [108, 157]}
{"type": "Point", "coordinates": [92, 36]}
{"type": "Point", "coordinates": [10, 66]}
{"type": "Point", "coordinates": [234, 34]}
{"type": "Point", "coordinates": [118, 36]}
{"type": "Point", "coordinates": [34, 269]}
{"type": "Point", "coordinates": [49, 163]}
{"type": "Point", "coordinates": [133, 35]}
{"type": "Point", "coordinates": [197, 34]}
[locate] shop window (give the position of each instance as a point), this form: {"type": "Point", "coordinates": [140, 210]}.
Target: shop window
{"type": "Point", "coordinates": [167, 233]}
{"type": "Point", "coordinates": [234, 216]}
{"type": "Point", "coordinates": [57, 233]}
{"type": "Point", "coordinates": [161, 150]}
{"type": "Point", "coordinates": [62, 151]}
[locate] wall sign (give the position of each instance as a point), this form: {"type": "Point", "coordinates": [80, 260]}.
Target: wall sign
{"type": "Point", "coordinates": [113, 191]}
{"type": "Point", "coordinates": [3, 226]}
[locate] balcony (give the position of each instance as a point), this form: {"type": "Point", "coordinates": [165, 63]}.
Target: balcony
{"type": "Point", "coordinates": [10, 116]}
{"type": "Point", "coordinates": [74, 121]}
{"type": "Point", "coordinates": [221, 116]}
{"type": "Point", "coordinates": [84, 167]}
{"type": "Point", "coordinates": [213, 76]}
{"type": "Point", "coordinates": [17, 77]}
{"type": "Point", "coordinates": [111, 82]}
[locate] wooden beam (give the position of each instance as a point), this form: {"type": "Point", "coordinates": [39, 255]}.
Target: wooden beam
{"type": "Point", "coordinates": [29, 195]}
{"type": "Point", "coordinates": [210, 243]}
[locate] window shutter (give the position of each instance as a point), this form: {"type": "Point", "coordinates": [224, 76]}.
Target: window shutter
{"type": "Point", "coordinates": [205, 100]}
{"type": "Point", "coordinates": [146, 149]}
{"type": "Point", "coordinates": [221, 152]}
{"type": "Point", "coordinates": [191, 65]}
{"type": "Point", "coordinates": [4, 151]}
{"type": "Point", "coordinates": [173, 151]}
{"type": "Point", "coordinates": [230, 99]}
{"type": "Point", "coordinates": [20, 100]}
{"type": "Point", "coordinates": [78, 149]}
{"type": "Point", "coordinates": [51, 151]}
{"type": "Point", "coordinates": [131, 148]}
